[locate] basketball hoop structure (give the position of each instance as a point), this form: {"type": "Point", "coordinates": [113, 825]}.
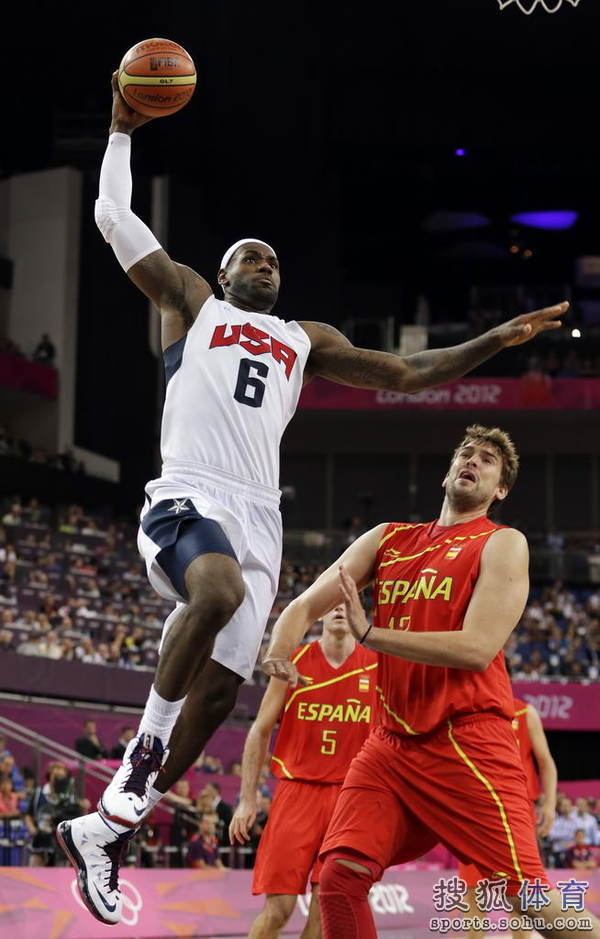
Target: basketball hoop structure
{"type": "Point", "coordinates": [528, 6]}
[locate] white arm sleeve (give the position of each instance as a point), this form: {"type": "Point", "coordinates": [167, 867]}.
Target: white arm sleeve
{"type": "Point", "coordinates": [129, 237]}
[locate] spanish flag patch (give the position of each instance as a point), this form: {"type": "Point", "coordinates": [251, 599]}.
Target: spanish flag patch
{"type": "Point", "coordinates": [452, 552]}
{"type": "Point", "coordinates": [364, 683]}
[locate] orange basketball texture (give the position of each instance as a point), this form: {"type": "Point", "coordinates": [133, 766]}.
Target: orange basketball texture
{"type": "Point", "coordinates": [157, 77]}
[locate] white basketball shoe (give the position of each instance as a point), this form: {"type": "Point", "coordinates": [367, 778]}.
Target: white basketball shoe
{"type": "Point", "coordinates": [95, 850]}
{"type": "Point", "coordinates": [125, 799]}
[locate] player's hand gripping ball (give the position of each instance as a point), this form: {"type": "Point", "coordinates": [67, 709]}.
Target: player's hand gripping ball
{"type": "Point", "coordinates": [157, 77]}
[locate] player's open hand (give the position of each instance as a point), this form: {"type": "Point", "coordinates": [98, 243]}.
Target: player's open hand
{"type": "Point", "coordinates": [242, 822]}
{"type": "Point", "coordinates": [124, 119]}
{"type": "Point", "coordinates": [355, 614]}
{"type": "Point", "coordinates": [523, 328]}
{"type": "Point", "coordinates": [276, 666]}
{"type": "Point", "coordinates": [546, 820]}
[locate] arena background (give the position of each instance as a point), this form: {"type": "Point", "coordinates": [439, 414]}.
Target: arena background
{"type": "Point", "coordinates": [389, 156]}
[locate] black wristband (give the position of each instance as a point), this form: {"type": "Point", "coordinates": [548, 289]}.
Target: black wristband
{"type": "Point", "coordinates": [361, 641]}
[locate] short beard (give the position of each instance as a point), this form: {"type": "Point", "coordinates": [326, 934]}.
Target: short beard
{"type": "Point", "coordinates": [464, 501]}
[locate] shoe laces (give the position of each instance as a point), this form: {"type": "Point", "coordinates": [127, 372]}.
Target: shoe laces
{"type": "Point", "coordinates": [144, 761]}
{"type": "Point", "coordinates": [114, 852]}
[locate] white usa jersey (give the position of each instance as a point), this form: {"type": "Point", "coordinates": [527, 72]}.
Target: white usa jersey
{"type": "Point", "coordinates": [233, 383]}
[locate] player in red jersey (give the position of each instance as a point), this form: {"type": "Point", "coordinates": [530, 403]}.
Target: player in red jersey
{"type": "Point", "coordinates": [443, 765]}
{"type": "Point", "coordinates": [323, 724]}
{"type": "Point", "coordinates": [535, 756]}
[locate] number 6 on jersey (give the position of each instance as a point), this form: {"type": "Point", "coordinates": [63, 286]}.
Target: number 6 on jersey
{"type": "Point", "coordinates": [246, 380]}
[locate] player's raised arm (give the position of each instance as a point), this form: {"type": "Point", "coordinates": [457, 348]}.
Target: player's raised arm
{"type": "Point", "coordinates": [177, 291]}
{"type": "Point", "coordinates": [334, 357]}
{"type": "Point", "coordinates": [253, 758]}
{"type": "Point", "coordinates": [320, 597]}
{"type": "Point", "coordinates": [494, 610]}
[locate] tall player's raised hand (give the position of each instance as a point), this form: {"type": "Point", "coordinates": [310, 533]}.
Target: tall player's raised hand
{"type": "Point", "coordinates": [355, 613]}
{"type": "Point", "coordinates": [523, 328]}
{"type": "Point", "coordinates": [124, 119]}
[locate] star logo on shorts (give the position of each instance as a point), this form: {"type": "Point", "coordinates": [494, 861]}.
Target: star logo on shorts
{"type": "Point", "coordinates": [179, 505]}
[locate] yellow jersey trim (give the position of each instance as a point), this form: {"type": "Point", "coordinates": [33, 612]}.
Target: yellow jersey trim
{"type": "Point", "coordinates": [283, 766]}
{"type": "Point", "coordinates": [406, 726]}
{"type": "Point", "coordinates": [495, 797]}
{"type": "Point", "coordinates": [330, 681]}
{"type": "Point", "coordinates": [399, 528]}
{"type": "Point", "coordinates": [301, 652]}
{"type": "Point", "coordinates": [522, 711]}
{"type": "Point", "coordinates": [411, 557]}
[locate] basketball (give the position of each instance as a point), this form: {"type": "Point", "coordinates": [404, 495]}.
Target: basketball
{"type": "Point", "coordinates": [157, 77]}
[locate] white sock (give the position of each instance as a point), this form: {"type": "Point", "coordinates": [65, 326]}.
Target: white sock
{"type": "Point", "coordinates": [154, 797]}
{"type": "Point", "coordinates": [160, 716]}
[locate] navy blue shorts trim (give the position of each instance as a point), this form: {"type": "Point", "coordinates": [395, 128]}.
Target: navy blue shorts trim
{"type": "Point", "coordinates": [183, 535]}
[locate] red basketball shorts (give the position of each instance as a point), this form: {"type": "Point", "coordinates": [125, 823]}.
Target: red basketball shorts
{"type": "Point", "coordinates": [462, 785]}
{"type": "Point", "coordinates": [289, 846]}
{"type": "Point", "coordinates": [471, 874]}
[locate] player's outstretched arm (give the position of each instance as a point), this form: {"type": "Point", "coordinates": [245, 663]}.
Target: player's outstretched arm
{"type": "Point", "coordinates": [253, 759]}
{"type": "Point", "coordinates": [176, 290]}
{"type": "Point", "coordinates": [332, 356]}
{"type": "Point", "coordinates": [494, 610]}
{"type": "Point", "coordinates": [320, 597]}
{"type": "Point", "coordinates": [547, 768]}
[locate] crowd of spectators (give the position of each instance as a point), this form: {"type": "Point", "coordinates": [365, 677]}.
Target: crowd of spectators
{"type": "Point", "coordinates": [44, 352]}
{"type": "Point", "coordinates": [72, 587]}
{"type": "Point", "coordinates": [23, 450]}
{"type": "Point", "coordinates": [574, 839]}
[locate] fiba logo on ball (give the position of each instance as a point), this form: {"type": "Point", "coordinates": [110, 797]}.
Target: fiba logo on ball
{"type": "Point", "coordinates": [528, 6]}
{"type": "Point", "coordinates": [132, 901]}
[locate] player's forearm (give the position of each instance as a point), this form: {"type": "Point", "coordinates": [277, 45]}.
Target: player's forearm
{"type": "Point", "coordinates": [290, 628]}
{"type": "Point", "coordinates": [448, 650]}
{"type": "Point", "coordinates": [129, 237]}
{"type": "Point", "coordinates": [438, 366]}
{"type": "Point", "coordinates": [253, 760]}
{"type": "Point", "coordinates": [549, 781]}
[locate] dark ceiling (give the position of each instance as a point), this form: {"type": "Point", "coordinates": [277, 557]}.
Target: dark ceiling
{"type": "Point", "coordinates": [332, 128]}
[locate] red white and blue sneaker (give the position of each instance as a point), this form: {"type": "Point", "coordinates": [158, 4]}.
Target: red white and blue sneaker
{"type": "Point", "coordinates": [96, 850]}
{"type": "Point", "coordinates": [125, 799]}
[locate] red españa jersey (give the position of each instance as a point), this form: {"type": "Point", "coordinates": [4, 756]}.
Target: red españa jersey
{"type": "Point", "coordinates": [326, 722]}
{"type": "Point", "coordinates": [526, 748]}
{"type": "Point", "coordinates": [425, 576]}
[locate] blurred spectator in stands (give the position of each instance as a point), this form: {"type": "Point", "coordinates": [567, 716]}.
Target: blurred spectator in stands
{"type": "Point", "coordinates": [213, 764]}
{"type": "Point", "coordinates": [353, 528]}
{"type": "Point", "coordinates": [579, 856]}
{"type": "Point", "coordinates": [50, 804]}
{"type": "Point", "coordinates": [7, 641]}
{"type": "Point", "coordinates": [562, 834]}
{"type": "Point", "coordinates": [9, 768]}
{"type": "Point", "coordinates": [89, 745]}
{"type": "Point", "coordinates": [3, 749]}
{"type": "Point", "coordinates": [8, 553]}
{"type": "Point", "coordinates": [203, 847]}
{"type": "Point", "coordinates": [86, 653]}
{"type": "Point", "coordinates": [584, 819]}
{"type": "Point", "coordinates": [50, 646]}
{"type": "Point", "coordinates": [222, 810]}
{"type": "Point", "coordinates": [127, 734]}
{"type": "Point", "coordinates": [9, 800]}
{"type": "Point", "coordinates": [554, 540]}
{"type": "Point", "coordinates": [13, 516]}
{"type": "Point", "coordinates": [32, 645]}
{"type": "Point", "coordinates": [235, 769]}
{"type": "Point", "coordinates": [44, 352]}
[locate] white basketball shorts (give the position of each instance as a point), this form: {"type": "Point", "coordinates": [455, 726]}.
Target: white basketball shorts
{"type": "Point", "coordinates": [186, 516]}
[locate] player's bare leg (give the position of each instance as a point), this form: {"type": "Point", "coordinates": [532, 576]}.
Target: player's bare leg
{"type": "Point", "coordinates": [312, 929]}
{"type": "Point", "coordinates": [209, 701]}
{"type": "Point", "coordinates": [215, 590]}
{"type": "Point", "coordinates": [274, 915]}
{"type": "Point", "coordinates": [554, 913]}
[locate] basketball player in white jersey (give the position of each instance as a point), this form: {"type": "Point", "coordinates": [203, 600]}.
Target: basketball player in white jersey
{"type": "Point", "coordinates": [210, 529]}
